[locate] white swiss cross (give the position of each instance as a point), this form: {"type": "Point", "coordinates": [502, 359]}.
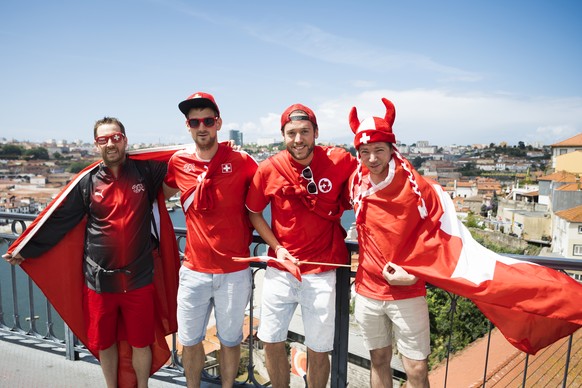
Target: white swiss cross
{"type": "Point", "coordinates": [226, 168]}
{"type": "Point", "coordinates": [364, 138]}
{"type": "Point", "coordinates": [116, 138]}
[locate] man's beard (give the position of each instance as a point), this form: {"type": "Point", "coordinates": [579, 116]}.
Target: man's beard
{"type": "Point", "coordinates": [297, 157]}
{"type": "Point", "coordinates": [207, 144]}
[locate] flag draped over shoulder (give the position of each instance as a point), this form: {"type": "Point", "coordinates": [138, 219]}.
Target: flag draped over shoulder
{"type": "Point", "coordinates": [532, 305]}
{"type": "Point", "coordinates": [59, 273]}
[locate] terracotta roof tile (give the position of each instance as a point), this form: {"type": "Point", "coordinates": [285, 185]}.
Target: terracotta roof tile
{"type": "Point", "coordinates": [506, 365]}
{"type": "Point", "coordinates": [573, 214]}
{"type": "Point", "coordinates": [570, 187]}
{"type": "Point", "coordinates": [572, 142]}
{"type": "Point", "coordinates": [559, 176]}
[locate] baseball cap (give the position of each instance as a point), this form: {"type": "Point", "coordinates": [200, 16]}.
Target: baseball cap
{"type": "Point", "coordinates": [198, 100]}
{"type": "Point", "coordinates": [286, 116]}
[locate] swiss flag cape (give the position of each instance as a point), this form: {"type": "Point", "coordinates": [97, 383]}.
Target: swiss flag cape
{"type": "Point", "coordinates": [59, 273]}
{"type": "Point", "coordinates": [532, 305]}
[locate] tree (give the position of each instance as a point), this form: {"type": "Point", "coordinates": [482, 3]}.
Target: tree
{"type": "Point", "coordinates": [417, 162]}
{"type": "Point", "coordinates": [453, 319]}
{"type": "Point", "coordinates": [10, 151]}
{"type": "Point", "coordinates": [38, 153]}
{"type": "Point", "coordinates": [78, 166]}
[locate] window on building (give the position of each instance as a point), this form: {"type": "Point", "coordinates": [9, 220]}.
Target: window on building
{"type": "Point", "coordinates": [577, 250]}
{"type": "Point", "coordinates": [563, 151]}
{"type": "Point", "coordinates": [579, 229]}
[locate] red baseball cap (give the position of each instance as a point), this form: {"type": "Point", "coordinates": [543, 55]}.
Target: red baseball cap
{"type": "Point", "coordinates": [309, 115]}
{"type": "Point", "coordinates": [198, 100]}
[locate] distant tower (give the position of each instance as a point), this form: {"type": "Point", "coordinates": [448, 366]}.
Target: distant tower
{"type": "Point", "coordinates": [237, 136]}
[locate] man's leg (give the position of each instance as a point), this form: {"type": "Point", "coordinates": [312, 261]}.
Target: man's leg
{"type": "Point", "coordinates": [317, 369]}
{"type": "Point", "coordinates": [193, 359]}
{"type": "Point", "coordinates": [229, 363]}
{"type": "Point", "coordinates": [108, 360]}
{"type": "Point", "coordinates": [277, 364]}
{"type": "Point", "coordinates": [141, 360]}
{"type": "Point", "coordinates": [416, 372]}
{"type": "Point", "coordinates": [380, 370]}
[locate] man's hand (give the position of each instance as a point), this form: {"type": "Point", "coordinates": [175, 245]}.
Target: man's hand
{"type": "Point", "coordinates": [395, 275]}
{"type": "Point", "coordinates": [283, 254]}
{"type": "Point", "coordinates": [14, 260]}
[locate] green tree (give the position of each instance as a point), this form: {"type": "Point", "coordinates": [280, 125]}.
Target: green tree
{"type": "Point", "coordinates": [10, 151]}
{"type": "Point", "coordinates": [78, 166]}
{"type": "Point", "coordinates": [38, 153]}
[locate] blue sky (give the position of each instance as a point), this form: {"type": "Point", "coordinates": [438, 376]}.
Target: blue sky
{"type": "Point", "coordinates": [458, 72]}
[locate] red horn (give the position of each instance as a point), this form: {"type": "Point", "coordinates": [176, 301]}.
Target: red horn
{"type": "Point", "coordinates": [390, 111]}
{"type": "Point", "coordinates": [354, 121]}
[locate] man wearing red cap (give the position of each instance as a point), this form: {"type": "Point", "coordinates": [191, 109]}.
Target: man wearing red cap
{"type": "Point", "coordinates": [306, 186]}
{"type": "Point", "coordinates": [389, 209]}
{"type": "Point", "coordinates": [213, 180]}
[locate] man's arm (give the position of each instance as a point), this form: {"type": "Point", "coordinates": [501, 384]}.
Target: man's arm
{"type": "Point", "coordinates": [264, 230]}
{"type": "Point", "coordinates": [169, 191]}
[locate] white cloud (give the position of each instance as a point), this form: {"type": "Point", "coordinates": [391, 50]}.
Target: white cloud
{"type": "Point", "coordinates": [444, 117]}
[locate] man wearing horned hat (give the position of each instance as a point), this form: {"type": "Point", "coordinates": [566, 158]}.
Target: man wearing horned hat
{"type": "Point", "coordinates": [389, 210]}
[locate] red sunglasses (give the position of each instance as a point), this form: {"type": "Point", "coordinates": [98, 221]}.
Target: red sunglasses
{"type": "Point", "coordinates": [115, 137]}
{"type": "Point", "coordinates": [207, 121]}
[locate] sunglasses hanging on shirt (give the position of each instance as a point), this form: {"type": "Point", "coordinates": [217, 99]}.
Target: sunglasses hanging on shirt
{"type": "Point", "coordinates": [307, 174]}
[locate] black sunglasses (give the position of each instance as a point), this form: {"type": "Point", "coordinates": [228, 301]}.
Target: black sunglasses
{"type": "Point", "coordinates": [307, 174]}
{"type": "Point", "coordinates": [207, 121]}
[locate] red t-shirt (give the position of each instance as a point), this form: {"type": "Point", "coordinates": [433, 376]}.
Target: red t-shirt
{"type": "Point", "coordinates": [215, 235]}
{"type": "Point", "coordinates": [305, 234]}
{"type": "Point", "coordinates": [387, 231]}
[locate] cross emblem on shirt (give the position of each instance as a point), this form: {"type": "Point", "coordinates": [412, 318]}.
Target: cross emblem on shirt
{"type": "Point", "coordinates": [226, 168]}
{"type": "Point", "coordinates": [364, 138]}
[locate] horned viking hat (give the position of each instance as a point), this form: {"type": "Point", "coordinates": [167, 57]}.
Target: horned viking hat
{"type": "Point", "coordinates": [374, 130]}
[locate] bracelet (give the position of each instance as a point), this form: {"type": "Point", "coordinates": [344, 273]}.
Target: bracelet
{"type": "Point", "coordinates": [277, 248]}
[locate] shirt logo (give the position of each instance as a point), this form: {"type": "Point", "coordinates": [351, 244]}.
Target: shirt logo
{"type": "Point", "coordinates": [188, 167]}
{"type": "Point", "coordinates": [226, 168]}
{"type": "Point", "coordinates": [99, 194]}
{"type": "Point", "coordinates": [324, 185]}
{"type": "Point", "coordinates": [138, 188]}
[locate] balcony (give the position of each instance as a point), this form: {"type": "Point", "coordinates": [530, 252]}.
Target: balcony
{"type": "Point", "coordinates": [28, 321]}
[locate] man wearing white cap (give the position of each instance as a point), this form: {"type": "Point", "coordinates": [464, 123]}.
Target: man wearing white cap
{"type": "Point", "coordinates": [390, 208]}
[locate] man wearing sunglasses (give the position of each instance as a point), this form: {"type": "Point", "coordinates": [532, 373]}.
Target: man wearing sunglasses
{"type": "Point", "coordinates": [116, 198]}
{"type": "Point", "coordinates": [306, 186]}
{"type": "Point", "coordinates": [213, 180]}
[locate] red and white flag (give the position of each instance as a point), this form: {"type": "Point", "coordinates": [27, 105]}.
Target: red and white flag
{"type": "Point", "coordinates": [289, 266]}
{"type": "Point", "coordinates": [532, 305]}
{"type": "Point", "coordinates": [59, 273]}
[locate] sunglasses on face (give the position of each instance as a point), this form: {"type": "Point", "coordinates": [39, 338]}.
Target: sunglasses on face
{"type": "Point", "coordinates": [307, 174]}
{"type": "Point", "coordinates": [115, 137]}
{"type": "Point", "coordinates": [207, 121]}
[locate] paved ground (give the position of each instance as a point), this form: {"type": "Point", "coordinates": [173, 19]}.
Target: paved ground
{"type": "Point", "coordinates": [27, 364]}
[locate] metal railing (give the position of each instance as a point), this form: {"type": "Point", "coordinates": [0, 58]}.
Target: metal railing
{"type": "Point", "coordinates": [340, 357]}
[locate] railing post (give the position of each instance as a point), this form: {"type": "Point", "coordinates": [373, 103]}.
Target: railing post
{"type": "Point", "coordinates": [70, 352]}
{"type": "Point", "coordinates": [339, 355]}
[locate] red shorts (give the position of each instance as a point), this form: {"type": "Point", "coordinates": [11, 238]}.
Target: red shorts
{"type": "Point", "coordinates": [120, 316]}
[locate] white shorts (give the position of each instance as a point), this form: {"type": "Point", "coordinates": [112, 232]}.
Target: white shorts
{"type": "Point", "coordinates": [315, 294]}
{"type": "Point", "coordinates": [407, 317]}
{"type": "Point", "coordinates": [199, 292]}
